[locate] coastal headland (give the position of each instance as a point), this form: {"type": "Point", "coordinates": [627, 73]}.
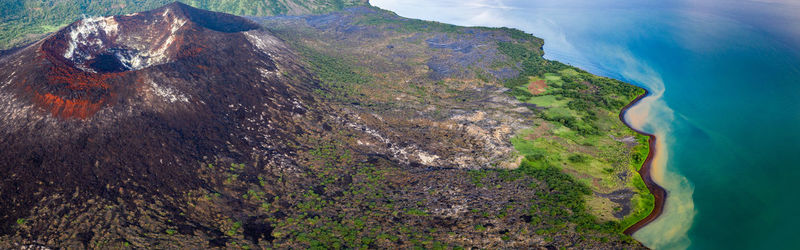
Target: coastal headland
{"type": "Point", "coordinates": [658, 192]}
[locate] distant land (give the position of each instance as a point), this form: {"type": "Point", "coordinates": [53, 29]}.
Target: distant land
{"type": "Point", "coordinates": [28, 20]}
{"type": "Point", "coordinates": [340, 125]}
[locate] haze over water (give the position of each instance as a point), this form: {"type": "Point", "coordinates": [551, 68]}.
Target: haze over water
{"type": "Point", "coordinates": [724, 78]}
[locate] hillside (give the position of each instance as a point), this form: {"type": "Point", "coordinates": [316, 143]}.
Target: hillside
{"type": "Point", "coordinates": [184, 128]}
{"type": "Point", "coordinates": [25, 21]}
{"type": "Point", "coordinates": [459, 76]}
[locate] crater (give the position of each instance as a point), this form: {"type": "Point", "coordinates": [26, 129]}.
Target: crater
{"type": "Point", "coordinates": [90, 60]}
{"type": "Point", "coordinates": [136, 41]}
{"type": "Point", "coordinates": [108, 63]}
{"type": "Point", "coordinates": [117, 44]}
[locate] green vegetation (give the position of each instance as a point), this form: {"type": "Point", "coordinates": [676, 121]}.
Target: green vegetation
{"type": "Point", "coordinates": [582, 132]}
{"type": "Point", "coordinates": [574, 97]}
{"type": "Point", "coordinates": [565, 203]}
{"type": "Point", "coordinates": [345, 230]}
{"type": "Point", "coordinates": [340, 80]}
{"type": "Point", "coordinates": [416, 212]}
{"type": "Point", "coordinates": [408, 25]}
{"type": "Point", "coordinates": [25, 21]}
{"type": "Point", "coordinates": [560, 203]}
{"type": "Point", "coordinates": [234, 229]}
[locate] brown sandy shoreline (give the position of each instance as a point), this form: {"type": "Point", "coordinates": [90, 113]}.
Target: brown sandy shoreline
{"type": "Point", "coordinates": [657, 191]}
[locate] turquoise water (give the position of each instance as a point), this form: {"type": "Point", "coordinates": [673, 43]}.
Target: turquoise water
{"type": "Point", "coordinates": [725, 78]}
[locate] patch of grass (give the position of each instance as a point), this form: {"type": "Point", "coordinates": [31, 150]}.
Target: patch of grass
{"type": "Point", "coordinates": [641, 206]}
{"type": "Point", "coordinates": [640, 151]}
{"type": "Point", "coordinates": [578, 158]}
{"type": "Point", "coordinates": [339, 79]}
{"type": "Point", "coordinates": [416, 212]}
{"type": "Point", "coordinates": [550, 101]}
{"type": "Point", "coordinates": [553, 78]}
{"type": "Point", "coordinates": [565, 202]}
{"type": "Point", "coordinates": [584, 109]}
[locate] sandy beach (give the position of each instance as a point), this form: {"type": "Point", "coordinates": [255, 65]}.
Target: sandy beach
{"type": "Point", "coordinates": [657, 191]}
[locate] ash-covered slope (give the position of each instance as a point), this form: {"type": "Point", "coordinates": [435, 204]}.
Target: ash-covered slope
{"type": "Point", "coordinates": [124, 108]}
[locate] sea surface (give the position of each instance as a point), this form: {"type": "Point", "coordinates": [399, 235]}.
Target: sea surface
{"type": "Point", "coordinates": [724, 78]}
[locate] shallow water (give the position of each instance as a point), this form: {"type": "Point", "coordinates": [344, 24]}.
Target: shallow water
{"type": "Point", "coordinates": [725, 82]}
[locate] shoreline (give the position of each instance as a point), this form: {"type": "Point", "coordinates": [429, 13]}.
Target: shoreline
{"type": "Point", "coordinates": [658, 192]}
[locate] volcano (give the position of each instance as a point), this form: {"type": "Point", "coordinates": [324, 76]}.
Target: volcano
{"type": "Point", "coordinates": [181, 128]}
{"type": "Point", "coordinates": [84, 67]}
{"type": "Point", "coordinates": [126, 107]}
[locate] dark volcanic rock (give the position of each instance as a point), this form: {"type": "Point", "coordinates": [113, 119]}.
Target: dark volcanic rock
{"type": "Point", "coordinates": [126, 107]}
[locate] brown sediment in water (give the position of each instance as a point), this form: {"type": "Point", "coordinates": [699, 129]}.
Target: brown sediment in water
{"type": "Point", "coordinates": [658, 192]}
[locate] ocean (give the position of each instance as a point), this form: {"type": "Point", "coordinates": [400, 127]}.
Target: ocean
{"type": "Point", "coordinates": [724, 78]}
